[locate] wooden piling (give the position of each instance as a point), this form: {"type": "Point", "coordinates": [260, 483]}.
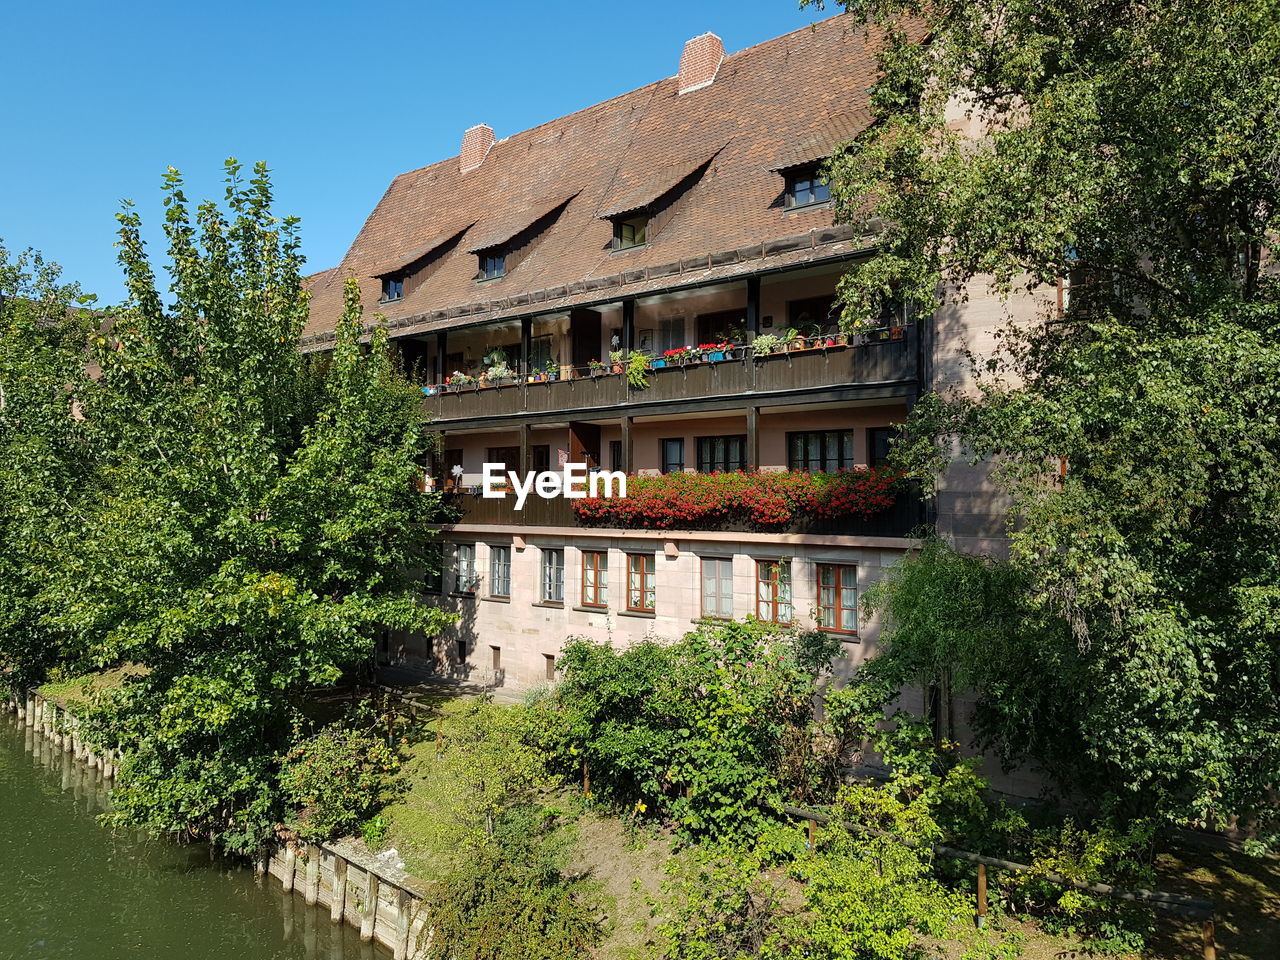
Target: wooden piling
{"type": "Point", "coordinates": [290, 865]}
{"type": "Point", "coordinates": [338, 903]}
{"type": "Point", "coordinates": [369, 916]}
{"type": "Point", "coordinates": [982, 895]}
{"type": "Point", "coordinates": [311, 893]}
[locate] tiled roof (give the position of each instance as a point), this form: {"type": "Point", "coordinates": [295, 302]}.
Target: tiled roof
{"type": "Point", "coordinates": [766, 103]}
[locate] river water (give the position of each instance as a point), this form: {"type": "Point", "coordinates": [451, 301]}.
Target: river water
{"type": "Point", "coordinates": [71, 888]}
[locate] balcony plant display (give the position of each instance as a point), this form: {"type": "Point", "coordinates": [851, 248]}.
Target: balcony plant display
{"type": "Point", "coordinates": [616, 359]}
{"type": "Point", "coordinates": [638, 370]}
{"type": "Point", "coordinates": [680, 355]}
{"type": "Point", "coordinates": [763, 501]}
{"type": "Point", "coordinates": [552, 370]}
{"type": "Point", "coordinates": [595, 367]}
{"type": "Point", "coordinates": [766, 344]}
{"type": "Point", "coordinates": [458, 380]}
{"type": "Point", "coordinates": [715, 352]}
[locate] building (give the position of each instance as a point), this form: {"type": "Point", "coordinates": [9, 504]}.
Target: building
{"type": "Point", "coordinates": [518, 278]}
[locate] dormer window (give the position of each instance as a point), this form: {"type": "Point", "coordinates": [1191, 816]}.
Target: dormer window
{"type": "Point", "coordinates": [630, 232]}
{"type": "Point", "coordinates": [807, 187]}
{"type": "Point", "coordinates": [493, 265]}
{"type": "Point", "coordinates": [392, 288]}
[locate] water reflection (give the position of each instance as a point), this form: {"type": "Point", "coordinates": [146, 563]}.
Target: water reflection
{"type": "Point", "coordinates": [72, 888]}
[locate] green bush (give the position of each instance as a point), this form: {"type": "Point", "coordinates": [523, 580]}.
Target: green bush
{"type": "Point", "coordinates": [336, 779]}
{"type": "Point", "coordinates": [715, 731]}
{"type": "Point", "coordinates": [511, 899]}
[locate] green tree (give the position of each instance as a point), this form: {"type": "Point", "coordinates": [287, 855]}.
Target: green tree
{"type": "Point", "coordinates": [1130, 147]}
{"type": "Point", "coordinates": [43, 458]}
{"type": "Point", "coordinates": [252, 520]}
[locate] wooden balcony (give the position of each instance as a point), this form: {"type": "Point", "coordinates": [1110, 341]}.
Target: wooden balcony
{"type": "Point", "coordinates": [904, 519]}
{"type": "Point", "coordinates": [880, 363]}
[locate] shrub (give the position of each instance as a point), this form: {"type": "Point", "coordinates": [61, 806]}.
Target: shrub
{"type": "Point", "coordinates": [511, 900]}
{"type": "Point", "coordinates": [337, 778]}
{"type": "Point", "coordinates": [714, 731]}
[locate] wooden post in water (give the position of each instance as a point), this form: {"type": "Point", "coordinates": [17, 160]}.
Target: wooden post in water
{"type": "Point", "coordinates": [1210, 947]}
{"type": "Point", "coordinates": [311, 893]}
{"type": "Point", "coordinates": [290, 865]}
{"type": "Point", "coordinates": [31, 710]}
{"type": "Point", "coordinates": [369, 916]}
{"type": "Point", "coordinates": [982, 895]}
{"type": "Point", "coordinates": [339, 902]}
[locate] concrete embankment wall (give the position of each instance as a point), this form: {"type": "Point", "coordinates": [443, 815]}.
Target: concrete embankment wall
{"type": "Point", "coordinates": [378, 898]}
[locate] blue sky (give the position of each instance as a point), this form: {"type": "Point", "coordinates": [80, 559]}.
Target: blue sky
{"type": "Point", "coordinates": [337, 98]}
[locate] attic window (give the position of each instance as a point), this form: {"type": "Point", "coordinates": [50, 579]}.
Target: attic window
{"type": "Point", "coordinates": [806, 187]}
{"type": "Point", "coordinates": [493, 264]}
{"type": "Point", "coordinates": [630, 232]}
{"type": "Point", "coordinates": [392, 288]}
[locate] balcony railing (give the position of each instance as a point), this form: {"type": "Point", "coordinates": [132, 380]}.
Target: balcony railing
{"type": "Point", "coordinates": [883, 357]}
{"type": "Point", "coordinates": [904, 518]}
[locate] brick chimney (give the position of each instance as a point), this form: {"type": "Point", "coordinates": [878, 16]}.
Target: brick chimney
{"type": "Point", "coordinates": [701, 59]}
{"type": "Point", "coordinates": [476, 142]}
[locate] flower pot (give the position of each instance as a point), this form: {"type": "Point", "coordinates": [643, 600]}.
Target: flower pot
{"type": "Point", "coordinates": [617, 368]}
{"type": "Point", "coordinates": [715, 357]}
{"type": "Point", "coordinates": [897, 333]}
{"type": "Point", "coordinates": [656, 364]}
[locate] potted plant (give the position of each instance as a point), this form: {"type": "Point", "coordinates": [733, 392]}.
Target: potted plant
{"type": "Point", "coordinates": [638, 370]}
{"type": "Point", "coordinates": [766, 344]}
{"type": "Point", "coordinates": [596, 367]}
{"type": "Point", "coordinates": [552, 370]}
{"type": "Point", "coordinates": [615, 358]}
{"type": "Point", "coordinates": [793, 339]}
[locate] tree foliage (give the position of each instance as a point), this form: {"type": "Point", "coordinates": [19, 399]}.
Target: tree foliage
{"type": "Point", "coordinates": [1133, 149]}
{"type": "Point", "coordinates": [246, 518]}
{"type": "Point", "coordinates": [715, 730]}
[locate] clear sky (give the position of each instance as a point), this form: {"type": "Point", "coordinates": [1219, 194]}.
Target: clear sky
{"type": "Point", "coordinates": [100, 97]}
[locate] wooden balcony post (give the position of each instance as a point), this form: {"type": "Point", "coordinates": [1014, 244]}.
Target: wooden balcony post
{"type": "Point", "coordinates": [628, 464]}
{"type": "Point", "coordinates": [629, 325]}
{"type": "Point", "coordinates": [753, 438]}
{"type": "Point", "coordinates": [524, 447]}
{"type": "Point", "coordinates": [753, 307]}
{"type": "Point", "coordinates": [442, 346]}
{"type": "Point", "coordinates": [526, 347]}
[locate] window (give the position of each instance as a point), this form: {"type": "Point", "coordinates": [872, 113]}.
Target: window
{"type": "Point", "coordinates": [807, 186]}
{"type": "Point", "coordinates": [838, 597]}
{"type": "Point", "coordinates": [493, 265]}
{"type": "Point", "coordinates": [433, 578]}
{"type": "Point", "coordinates": [392, 288]}
{"type": "Point", "coordinates": [552, 576]}
{"type": "Point", "coordinates": [462, 651]}
{"type": "Point", "coordinates": [495, 653]}
{"type": "Point", "coordinates": [630, 232]}
{"type": "Point", "coordinates": [878, 440]}
{"type": "Point", "coordinates": [640, 582]}
{"type": "Point", "coordinates": [549, 662]}
{"type": "Point", "coordinates": [813, 312]}
{"type": "Point", "coordinates": [670, 333]}
{"type": "Point", "coordinates": [595, 578]}
{"type": "Point", "coordinates": [499, 571]}
{"type": "Point", "coordinates": [717, 587]}
{"type": "Point", "coordinates": [722, 454]}
{"type": "Point", "coordinates": [464, 568]}
{"type": "Point", "coordinates": [672, 454]}
{"type": "Point", "coordinates": [541, 455]}
{"type": "Point", "coordinates": [820, 451]}
{"type": "Point", "coordinates": [773, 591]}
{"type": "Point", "coordinates": [509, 457]}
